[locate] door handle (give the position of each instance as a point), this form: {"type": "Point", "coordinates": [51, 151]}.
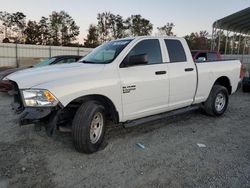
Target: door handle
{"type": "Point", "coordinates": [160, 72]}
{"type": "Point", "coordinates": [189, 69]}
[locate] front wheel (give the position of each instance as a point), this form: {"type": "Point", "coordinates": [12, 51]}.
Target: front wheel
{"type": "Point", "coordinates": [217, 101]}
{"type": "Point", "coordinates": [88, 127]}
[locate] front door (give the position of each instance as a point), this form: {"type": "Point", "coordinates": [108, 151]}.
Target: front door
{"type": "Point", "coordinates": [145, 88]}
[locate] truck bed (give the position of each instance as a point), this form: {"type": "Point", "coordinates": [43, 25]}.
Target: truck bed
{"type": "Point", "coordinates": [209, 71]}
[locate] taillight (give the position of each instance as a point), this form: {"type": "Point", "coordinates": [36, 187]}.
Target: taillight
{"type": "Point", "coordinates": [241, 71]}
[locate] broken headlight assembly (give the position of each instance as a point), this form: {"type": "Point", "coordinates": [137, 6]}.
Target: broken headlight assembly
{"type": "Point", "coordinates": [38, 98]}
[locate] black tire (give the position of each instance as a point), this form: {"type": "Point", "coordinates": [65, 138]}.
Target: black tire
{"type": "Point", "coordinates": [245, 88]}
{"type": "Point", "coordinates": [81, 127]}
{"type": "Point", "coordinates": [210, 104]}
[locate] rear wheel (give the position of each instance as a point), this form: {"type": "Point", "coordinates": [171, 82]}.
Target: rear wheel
{"type": "Point", "coordinates": [245, 88]}
{"type": "Point", "coordinates": [217, 101]}
{"type": "Point", "coordinates": [88, 127]}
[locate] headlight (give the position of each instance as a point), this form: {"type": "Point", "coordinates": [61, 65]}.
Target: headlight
{"type": "Point", "coordinates": [38, 98]}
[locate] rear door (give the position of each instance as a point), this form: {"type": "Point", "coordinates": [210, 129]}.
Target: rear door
{"type": "Point", "coordinates": [181, 74]}
{"type": "Point", "coordinates": [145, 88]}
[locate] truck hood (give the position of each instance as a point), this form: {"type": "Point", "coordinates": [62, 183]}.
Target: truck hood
{"type": "Point", "coordinates": [10, 71]}
{"type": "Point", "coordinates": [36, 76]}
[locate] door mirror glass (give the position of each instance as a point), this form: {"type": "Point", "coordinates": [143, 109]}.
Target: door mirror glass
{"type": "Point", "coordinates": [141, 59]}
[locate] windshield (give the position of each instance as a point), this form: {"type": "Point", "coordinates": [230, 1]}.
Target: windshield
{"type": "Point", "coordinates": [106, 53]}
{"type": "Point", "coordinates": [45, 62]}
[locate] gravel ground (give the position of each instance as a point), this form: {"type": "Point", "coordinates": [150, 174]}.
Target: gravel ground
{"type": "Point", "coordinates": [171, 157]}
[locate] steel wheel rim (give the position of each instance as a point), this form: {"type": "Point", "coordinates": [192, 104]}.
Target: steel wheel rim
{"type": "Point", "coordinates": [220, 102]}
{"type": "Point", "coordinates": [96, 127]}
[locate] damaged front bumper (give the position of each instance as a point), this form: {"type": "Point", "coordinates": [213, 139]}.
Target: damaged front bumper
{"type": "Point", "coordinates": [47, 116]}
{"type": "Point", "coordinates": [33, 115]}
{"type": "Point", "coordinates": [5, 86]}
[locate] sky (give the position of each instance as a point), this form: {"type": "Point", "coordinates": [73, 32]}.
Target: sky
{"type": "Point", "coordinates": [187, 15]}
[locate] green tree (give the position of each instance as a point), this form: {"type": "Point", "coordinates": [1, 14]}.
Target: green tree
{"type": "Point", "coordinates": [117, 26]}
{"type": "Point", "coordinates": [139, 26]}
{"type": "Point", "coordinates": [32, 33]}
{"type": "Point", "coordinates": [166, 29]}
{"type": "Point", "coordinates": [198, 41]}
{"type": "Point", "coordinates": [104, 26]}
{"type": "Point", "coordinates": [6, 20]}
{"type": "Point", "coordinates": [110, 26]}
{"type": "Point", "coordinates": [18, 20]}
{"type": "Point", "coordinates": [44, 32]}
{"type": "Point", "coordinates": [14, 25]}
{"type": "Point", "coordinates": [191, 40]}
{"type": "Point", "coordinates": [63, 28]}
{"type": "Point", "coordinates": [92, 38]}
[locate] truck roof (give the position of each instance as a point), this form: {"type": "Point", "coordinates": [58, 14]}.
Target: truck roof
{"type": "Point", "coordinates": [151, 37]}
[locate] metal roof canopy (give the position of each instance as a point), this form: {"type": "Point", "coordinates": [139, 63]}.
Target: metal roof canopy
{"type": "Point", "coordinates": [238, 22]}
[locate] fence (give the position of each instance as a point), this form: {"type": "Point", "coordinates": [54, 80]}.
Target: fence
{"type": "Point", "coordinates": [244, 58]}
{"type": "Point", "coordinates": [13, 55]}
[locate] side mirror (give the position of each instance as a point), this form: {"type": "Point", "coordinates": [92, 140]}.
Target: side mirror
{"type": "Point", "coordinates": [141, 59]}
{"type": "Point", "coordinates": [201, 59]}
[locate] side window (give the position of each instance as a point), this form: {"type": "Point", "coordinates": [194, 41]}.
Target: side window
{"type": "Point", "coordinates": [71, 60]}
{"type": "Point", "coordinates": [212, 56]}
{"type": "Point", "coordinates": [68, 60]}
{"type": "Point", "coordinates": [150, 47]}
{"type": "Point", "coordinates": [176, 51]}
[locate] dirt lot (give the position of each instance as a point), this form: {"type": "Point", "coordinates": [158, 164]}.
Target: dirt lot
{"type": "Point", "coordinates": [171, 157]}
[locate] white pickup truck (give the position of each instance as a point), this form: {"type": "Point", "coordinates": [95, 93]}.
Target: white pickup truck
{"type": "Point", "coordinates": [127, 81]}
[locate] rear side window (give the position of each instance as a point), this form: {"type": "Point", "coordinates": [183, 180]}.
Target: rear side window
{"type": "Point", "coordinates": [211, 56]}
{"type": "Point", "coordinates": [151, 47]}
{"type": "Point", "coordinates": [176, 51]}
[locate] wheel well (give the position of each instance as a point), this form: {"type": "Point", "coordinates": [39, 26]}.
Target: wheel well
{"type": "Point", "coordinates": [109, 106]}
{"type": "Point", "coordinates": [224, 81]}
